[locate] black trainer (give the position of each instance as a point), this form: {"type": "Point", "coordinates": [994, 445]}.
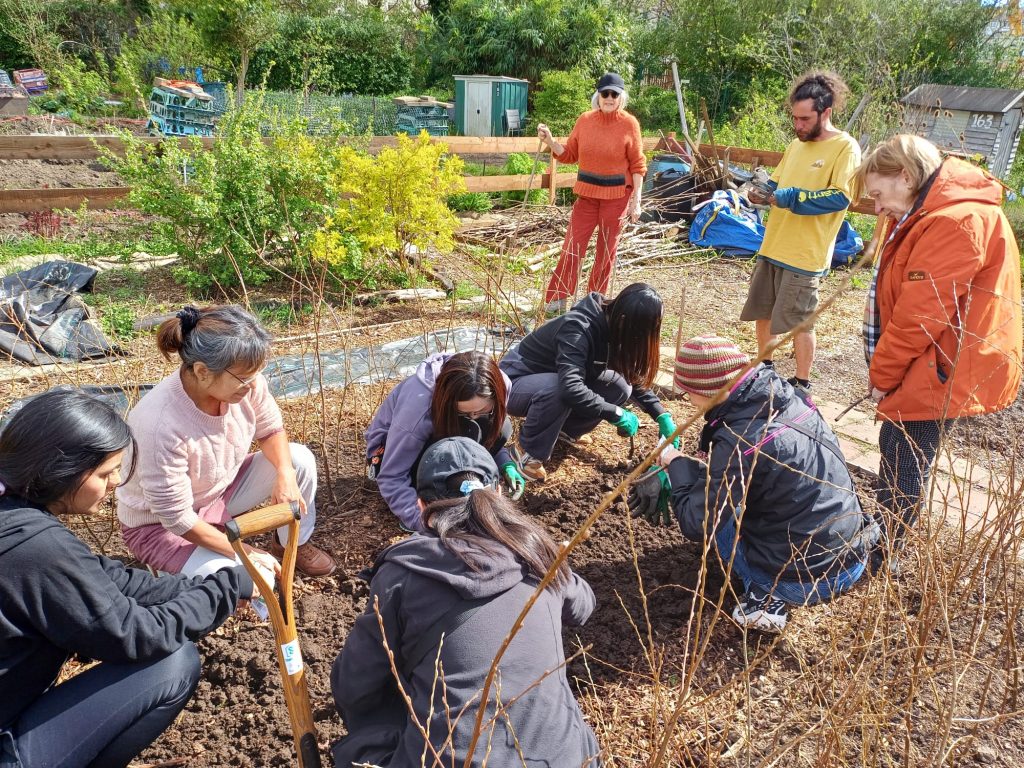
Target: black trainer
{"type": "Point", "coordinates": [761, 611]}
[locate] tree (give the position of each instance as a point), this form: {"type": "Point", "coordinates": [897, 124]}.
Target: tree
{"type": "Point", "coordinates": [236, 28]}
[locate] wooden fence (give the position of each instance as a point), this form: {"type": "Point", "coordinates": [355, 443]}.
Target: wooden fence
{"type": "Point", "coordinates": [88, 148]}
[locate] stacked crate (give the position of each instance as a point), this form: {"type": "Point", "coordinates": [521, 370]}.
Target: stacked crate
{"type": "Point", "coordinates": [181, 108]}
{"type": "Point", "coordinates": [32, 80]}
{"type": "Point", "coordinates": [421, 113]}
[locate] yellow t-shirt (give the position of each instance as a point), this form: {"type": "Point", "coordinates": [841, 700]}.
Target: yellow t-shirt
{"type": "Point", "coordinates": [804, 241]}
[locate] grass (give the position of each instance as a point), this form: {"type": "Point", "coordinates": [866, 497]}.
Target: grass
{"type": "Point", "coordinates": [86, 249]}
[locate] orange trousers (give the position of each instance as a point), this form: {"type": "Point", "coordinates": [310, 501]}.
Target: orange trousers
{"type": "Point", "coordinates": [588, 214]}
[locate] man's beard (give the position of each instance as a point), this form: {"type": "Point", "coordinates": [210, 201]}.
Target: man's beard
{"type": "Point", "coordinates": [813, 133]}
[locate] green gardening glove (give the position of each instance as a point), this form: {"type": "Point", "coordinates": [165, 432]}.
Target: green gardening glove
{"type": "Point", "coordinates": [627, 424]}
{"type": "Point", "coordinates": [649, 498]}
{"type": "Point", "coordinates": [666, 427]}
{"type": "Point", "coordinates": [515, 480]}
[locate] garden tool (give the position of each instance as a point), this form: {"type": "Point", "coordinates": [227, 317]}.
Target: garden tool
{"type": "Point", "coordinates": [282, 618]}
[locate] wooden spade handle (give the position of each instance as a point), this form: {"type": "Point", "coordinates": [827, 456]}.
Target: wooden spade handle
{"type": "Point", "coordinates": [262, 520]}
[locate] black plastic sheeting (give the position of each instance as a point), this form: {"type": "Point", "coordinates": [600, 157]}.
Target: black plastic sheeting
{"type": "Point", "coordinates": [43, 320]}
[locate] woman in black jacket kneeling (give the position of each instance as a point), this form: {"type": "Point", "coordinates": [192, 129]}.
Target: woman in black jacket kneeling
{"type": "Point", "coordinates": [579, 369]}
{"type": "Point", "coordinates": [61, 454]}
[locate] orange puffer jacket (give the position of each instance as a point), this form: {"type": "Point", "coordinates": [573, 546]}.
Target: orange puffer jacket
{"type": "Point", "coordinates": [949, 303]}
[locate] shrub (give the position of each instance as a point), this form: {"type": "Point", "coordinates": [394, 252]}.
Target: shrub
{"type": "Point", "coordinates": [520, 163]}
{"type": "Point", "coordinates": [563, 97]}
{"type": "Point", "coordinates": [391, 205]}
{"type": "Point", "coordinates": [81, 89]}
{"type": "Point", "coordinates": [656, 109]}
{"type": "Point", "coordinates": [360, 51]}
{"type": "Point", "coordinates": [238, 208]}
{"type": "Point", "coordinates": [763, 122]}
{"type": "Point", "coordinates": [478, 202]}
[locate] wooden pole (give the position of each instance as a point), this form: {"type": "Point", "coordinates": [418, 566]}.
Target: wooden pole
{"type": "Point", "coordinates": [553, 180]}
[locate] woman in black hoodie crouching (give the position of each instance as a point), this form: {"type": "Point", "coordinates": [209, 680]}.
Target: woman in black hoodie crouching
{"type": "Point", "coordinates": [61, 454]}
{"type": "Point", "coordinates": [446, 598]}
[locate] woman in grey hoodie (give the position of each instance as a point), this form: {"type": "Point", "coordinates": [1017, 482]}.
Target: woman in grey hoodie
{"type": "Point", "coordinates": [447, 598]}
{"type": "Point", "coordinates": [450, 395]}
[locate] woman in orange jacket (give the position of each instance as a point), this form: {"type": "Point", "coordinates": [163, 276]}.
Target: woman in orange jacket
{"type": "Point", "coordinates": [942, 325]}
{"type": "Point", "coordinates": [606, 143]}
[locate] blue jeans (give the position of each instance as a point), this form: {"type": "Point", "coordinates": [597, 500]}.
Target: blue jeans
{"type": "Point", "coordinates": [792, 592]}
{"type": "Point", "coordinates": [107, 715]}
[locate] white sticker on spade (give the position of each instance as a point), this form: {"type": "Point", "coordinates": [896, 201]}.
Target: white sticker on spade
{"type": "Point", "coordinates": [292, 657]}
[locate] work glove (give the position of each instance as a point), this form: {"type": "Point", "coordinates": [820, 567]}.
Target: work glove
{"type": "Point", "coordinates": [649, 498]}
{"type": "Point", "coordinates": [515, 480]}
{"type": "Point", "coordinates": [666, 427]}
{"type": "Point", "coordinates": [627, 424]}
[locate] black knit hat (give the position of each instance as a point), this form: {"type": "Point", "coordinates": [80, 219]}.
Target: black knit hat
{"type": "Point", "coordinates": [611, 81]}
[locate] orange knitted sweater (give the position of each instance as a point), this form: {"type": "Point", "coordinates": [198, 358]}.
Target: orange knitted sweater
{"type": "Point", "coordinates": [609, 151]}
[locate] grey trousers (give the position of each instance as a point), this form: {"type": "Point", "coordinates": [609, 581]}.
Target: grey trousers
{"type": "Point", "coordinates": [537, 398]}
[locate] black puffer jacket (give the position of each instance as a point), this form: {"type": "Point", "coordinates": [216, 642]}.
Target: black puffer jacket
{"type": "Point", "coordinates": [416, 583]}
{"type": "Point", "coordinates": [773, 459]}
{"type": "Point", "coordinates": [575, 346]}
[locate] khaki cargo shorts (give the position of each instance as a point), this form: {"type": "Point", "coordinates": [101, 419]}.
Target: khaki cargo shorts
{"type": "Point", "coordinates": [785, 297]}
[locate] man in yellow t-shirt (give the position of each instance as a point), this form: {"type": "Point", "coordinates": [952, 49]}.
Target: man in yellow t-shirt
{"type": "Point", "coordinates": [811, 190]}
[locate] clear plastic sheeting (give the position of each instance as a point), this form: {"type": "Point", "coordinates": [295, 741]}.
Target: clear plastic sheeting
{"type": "Point", "coordinates": [299, 375]}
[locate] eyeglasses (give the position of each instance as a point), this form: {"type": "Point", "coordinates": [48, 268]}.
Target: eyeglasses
{"type": "Point", "coordinates": [609, 95]}
{"type": "Point", "coordinates": [474, 415]}
{"type": "Point", "coordinates": [244, 382]}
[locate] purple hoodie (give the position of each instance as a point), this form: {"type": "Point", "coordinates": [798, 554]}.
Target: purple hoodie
{"type": "Point", "coordinates": [403, 423]}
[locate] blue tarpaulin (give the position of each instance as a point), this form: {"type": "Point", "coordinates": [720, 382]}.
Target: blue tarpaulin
{"type": "Point", "coordinates": [728, 223]}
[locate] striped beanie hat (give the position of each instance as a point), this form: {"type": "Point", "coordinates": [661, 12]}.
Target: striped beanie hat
{"type": "Point", "coordinates": [704, 364]}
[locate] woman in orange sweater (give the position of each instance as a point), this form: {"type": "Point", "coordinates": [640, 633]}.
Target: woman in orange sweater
{"type": "Point", "coordinates": [606, 143]}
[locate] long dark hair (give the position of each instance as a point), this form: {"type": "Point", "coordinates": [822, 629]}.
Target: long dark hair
{"type": "Point", "coordinates": [463, 376]}
{"type": "Point", "coordinates": [484, 523]}
{"type": "Point", "coordinates": [56, 439]}
{"type": "Point", "coordinates": [634, 333]}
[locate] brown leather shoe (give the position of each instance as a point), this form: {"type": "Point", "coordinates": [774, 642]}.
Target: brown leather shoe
{"type": "Point", "coordinates": [310, 560]}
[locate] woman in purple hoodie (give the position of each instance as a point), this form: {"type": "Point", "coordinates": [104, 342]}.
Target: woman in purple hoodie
{"type": "Point", "coordinates": [450, 395]}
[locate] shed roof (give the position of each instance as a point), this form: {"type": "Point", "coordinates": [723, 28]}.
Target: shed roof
{"type": "Point", "coordinates": [964, 97]}
{"type": "Point", "coordinates": [497, 78]}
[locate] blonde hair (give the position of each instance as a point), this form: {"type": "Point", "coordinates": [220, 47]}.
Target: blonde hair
{"type": "Point", "coordinates": [916, 157]}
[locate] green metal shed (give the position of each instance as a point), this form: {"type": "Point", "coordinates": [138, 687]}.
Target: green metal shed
{"type": "Point", "coordinates": [483, 104]}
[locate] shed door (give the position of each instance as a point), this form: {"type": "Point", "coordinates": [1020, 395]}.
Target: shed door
{"type": "Point", "coordinates": [478, 108]}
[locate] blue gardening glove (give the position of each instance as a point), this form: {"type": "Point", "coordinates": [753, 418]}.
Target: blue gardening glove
{"type": "Point", "coordinates": [515, 480]}
{"type": "Point", "coordinates": [627, 424]}
{"type": "Point", "coordinates": [649, 498]}
{"type": "Point", "coordinates": [666, 427]}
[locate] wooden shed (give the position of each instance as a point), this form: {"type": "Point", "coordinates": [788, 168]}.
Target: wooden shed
{"type": "Point", "coordinates": [975, 121]}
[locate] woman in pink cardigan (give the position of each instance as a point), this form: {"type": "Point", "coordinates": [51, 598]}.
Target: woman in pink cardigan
{"type": "Point", "coordinates": [194, 470]}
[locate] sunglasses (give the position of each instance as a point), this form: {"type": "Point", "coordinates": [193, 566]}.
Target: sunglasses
{"type": "Point", "coordinates": [609, 95]}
